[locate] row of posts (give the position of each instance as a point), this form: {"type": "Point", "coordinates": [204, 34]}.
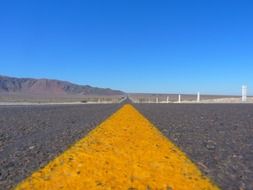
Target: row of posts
{"type": "Point", "coordinates": [179, 98]}
{"type": "Point", "coordinates": [244, 96]}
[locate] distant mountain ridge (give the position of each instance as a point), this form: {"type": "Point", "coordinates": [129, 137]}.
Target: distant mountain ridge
{"type": "Point", "coordinates": [56, 88]}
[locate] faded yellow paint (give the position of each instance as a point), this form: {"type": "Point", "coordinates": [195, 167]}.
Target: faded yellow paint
{"type": "Point", "coordinates": [124, 152]}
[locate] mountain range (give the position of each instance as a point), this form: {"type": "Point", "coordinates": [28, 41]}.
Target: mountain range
{"type": "Point", "coordinates": [30, 87]}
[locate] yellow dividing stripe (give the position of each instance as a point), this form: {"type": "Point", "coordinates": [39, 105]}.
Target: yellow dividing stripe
{"type": "Point", "coordinates": [124, 152]}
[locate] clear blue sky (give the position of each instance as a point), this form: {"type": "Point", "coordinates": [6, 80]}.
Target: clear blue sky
{"type": "Point", "coordinates": [131, 45]}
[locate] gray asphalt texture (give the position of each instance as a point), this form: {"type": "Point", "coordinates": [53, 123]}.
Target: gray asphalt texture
{"type": "Point", "coordinates": [217, 137]}
{"type": "Point", "coordinates": [31, 136]}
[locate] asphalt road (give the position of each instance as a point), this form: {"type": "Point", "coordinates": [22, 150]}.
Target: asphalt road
{"type": "Point", "coordinates": [30, 136]}
{"type": "Point", "coordinates": [217, 137]}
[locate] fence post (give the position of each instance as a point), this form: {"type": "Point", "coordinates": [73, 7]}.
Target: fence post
{"type": "Point", "coordinates": [244, 93]}
{"type": "Point", "coordinates": [198, 97]}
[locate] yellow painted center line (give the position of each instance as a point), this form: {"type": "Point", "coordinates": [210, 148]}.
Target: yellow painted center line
{"type": "Point", "coordinates": [124, 152]}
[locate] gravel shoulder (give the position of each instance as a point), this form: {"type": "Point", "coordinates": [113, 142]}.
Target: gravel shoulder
{"type": "Point", "coordinates": [31, 136]}
{"type": "Point", "coordinates": [217, 137]}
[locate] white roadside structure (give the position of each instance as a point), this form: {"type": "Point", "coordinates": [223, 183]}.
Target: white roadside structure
{"type": "Point", "coordinates": [198, 97]}
{"type": "Point", "coordinates": [167, 100]}
{"type": "Point", "coordinates": [244, 93]}
{"type": "Point", "coordinates": [179, 98]}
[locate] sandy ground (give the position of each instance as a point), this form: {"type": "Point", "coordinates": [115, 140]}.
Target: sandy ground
{"type": "Point", "coordinates": [206, 100]}
{"type": "Point", "coordinates": [49, 103]}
